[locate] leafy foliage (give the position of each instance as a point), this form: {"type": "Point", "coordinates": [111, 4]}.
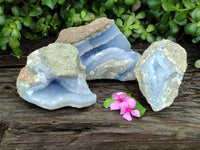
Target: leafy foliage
{"type": "Point", "coordinates": [148, 20]}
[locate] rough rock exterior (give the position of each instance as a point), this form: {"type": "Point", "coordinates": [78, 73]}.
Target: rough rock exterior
{"type": "Point", "coordinates": [103, 49]}
{"type": "Point", "coordinates": [75, 34]}
{"type": "Point", "coordinates": [54, 77]}
{"type": "Point", "coordinates": [160, 72]}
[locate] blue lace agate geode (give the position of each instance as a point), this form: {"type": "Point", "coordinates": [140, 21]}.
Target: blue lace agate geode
{"type": "Point", "coordinates": [103, 49]}
{"type": "Point", "coordinates": [54, 77]}
{"type": "Point", "coordinates": [160, 72]}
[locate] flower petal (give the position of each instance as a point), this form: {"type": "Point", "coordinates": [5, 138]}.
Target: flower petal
{"type": "Point", "coordinates": [132, 103]}
{"type": "Point", "coordinates": [122, 95]}
{"type": "Point", "coordinates": [128, 98]}
{"type": "Point", "coordinates": [135, 113]}
{"type": "Point", "coordinates": [122, 111]}
{"type": "Point", "coordinates": [124, 104]}
{"type": "Point", "coordinates": [127, 116]}
{"type": "Point", "coordinates": [115, 105]}
{"type": "Point", "coordinates": [115, 96]}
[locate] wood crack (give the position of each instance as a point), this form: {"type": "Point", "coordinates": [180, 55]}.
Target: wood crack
{"type": "Point", "coordinates": [3, 128]}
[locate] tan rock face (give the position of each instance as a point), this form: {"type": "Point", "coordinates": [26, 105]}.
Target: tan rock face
{"type": "Point", "coordinates": [75, 34]}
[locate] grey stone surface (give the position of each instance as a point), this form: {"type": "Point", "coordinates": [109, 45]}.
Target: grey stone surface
{"type": "Point", "coordinates": [160, 71]}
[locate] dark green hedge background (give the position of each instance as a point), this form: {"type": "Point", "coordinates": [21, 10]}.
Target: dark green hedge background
{"type": "Point", "coordinates": [148, 20]}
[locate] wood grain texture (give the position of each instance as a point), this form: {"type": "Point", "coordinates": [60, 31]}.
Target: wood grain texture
{"type": "Point", "coordinates": [24, 126]}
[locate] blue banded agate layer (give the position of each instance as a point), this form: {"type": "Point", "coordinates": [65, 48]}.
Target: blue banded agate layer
{"type": "Point", "coordinates": [108, 55]}
{"type": "Point", "coordinates": [160, 72]}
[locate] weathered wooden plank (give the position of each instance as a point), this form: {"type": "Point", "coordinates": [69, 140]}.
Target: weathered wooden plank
{"type": "Point", "coordinates": [30, 127]}
{"type": "Point", "coordinates": [101, 136]}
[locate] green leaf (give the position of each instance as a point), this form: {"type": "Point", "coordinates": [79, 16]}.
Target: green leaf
{"type": "Point", "coordinates": [101, 15]}
{"type": "Point", "coordinates": [197, 63]}
{"type": "Point", "coordinates": [181, 23]}
{"type": "Point", "coordinates": [27, 21]}
{"type": "Point", "coordinates": [48, 19]}
{"type": "Point", "coordinates": [84, 1]}
{"type": "Point", "coordinates": [15, 10]}
{"type": "Point", "coordinates": [61, 2]}
{"type": "Point", "coordinates": [189, 4]}
{"type": "Point", "coordinates": [198, 31]}
{"type": "Point", "coordinates": [14, 43]}
{"type": "Point", "coordinates": [108, 101]}
{"type": "Point", "coordinates": [141, 15]}
{"type": "Point", "coordinates": [181, 16]}
{"type": "Point", "coordinates": [44, 32]}
{"type": "Point", "coordinates": [171, 38]}
{"type": "Point", "coordinates": [15, 33]}
{"type": "Point", "coordinates": [2, 20]}
{"type": "Point", "coordinates": [154, 4]}
{"type": "Point", "coordinates": [150, 28]}
{"type": "Point", "coordinates": [19, 25]}
{"type": "Point", "coordinates": [32, 1]}
{"type": "Point", "coordinates": [127, 33]}
{"type": "Point", "coordinates": [143, 36]}
{"type": "Point", "coordinates": [163, 28]}
{"type": "Point", "coordinates": [4, 40]}
{"type": "Point", "coordinates": [173, 27]}
{"type": "Point", "coordinates": [124, 16]}
{"type": "Point", "coordinates": [159, 38]}
{"type": "Point", "coordinates": [6, 31]}
{"type": "Point", "coordinates": [50, 3]}
{"type": "Point", "coordinates": [27, 34]}
{"type": "Point", "coordinates": [135, 26]}
{"type": "Point", "coordinates": [41, 21]}
{"type": "Point", "coordinates": [89, 17]}
{"type": "Point", "coordinates": [129, 2]}
{"type": "Point", "coordinates": [9, 1]}
{"type": "Point", "coordinates": [78, 5]}
{"type": "Point", "coordinates": [36, 11]}
{"type": "Point", "coordinates": [102, 9]}
{"type": "Point", "coordinates": [12, 25]}
{"type": "Point", "coordinates": [56, 21]}
{"type": "Point", "coordinates": [128, 21]}
{"type": "Point", "coordinates": [193, 13]}
{"type": "Point", "coordinates": [16, 52]}
{"type": "Point", "coordinates": [24, 11]}
{"type": "Point", "coordinates": [83, 14]}
{"type": "Point", "coordinates": [197, 15]}
{"type": "Point", "coordinates": [165, 18]}
{"type": "Point", "coordinates": [121, 11]}
{"type": "Point", "coordinates": [4, 47]}
{"type": "Point", "coordinates": [141, 109]}
{"type": "Point", "coordinates": [136, 5]}
{"type": "Point", "coordinates": [119, 22]}
{"type": "Point", "coordinates": [168, 5]}
{"type": "Point", "coordinates": [190, 28]}
{"type": "Point", "coordinates": [94, 8]}
{"type": "Point", "coordinates": [76, 18]}
{"type": "Point", "coordinates": [109, 4]}
{"type": "Point", "coordinates": [140, 30]}
{"type": "Point", "coordinates": [135, 35]}
{"type": "Point", "coordinates": [150, 38]}
{"type": "Point", "coordinates": [1, 10]}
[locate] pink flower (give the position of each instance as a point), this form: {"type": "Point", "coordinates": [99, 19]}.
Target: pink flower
{"type": "Point", "coordinates": [127, 109]}
{"type": "Point", "coordinates": [121, 97]}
